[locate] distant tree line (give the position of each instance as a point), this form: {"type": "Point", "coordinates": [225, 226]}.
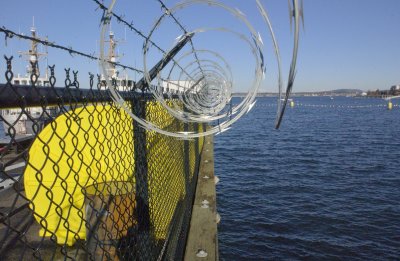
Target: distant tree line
{"type": "Point", "coordinates": [393, 91]}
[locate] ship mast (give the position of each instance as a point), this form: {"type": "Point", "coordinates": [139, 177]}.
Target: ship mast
{"type": "Point", "coordinates": [33, 54]}
{"type": "Point", "coordinates": [112, 56]}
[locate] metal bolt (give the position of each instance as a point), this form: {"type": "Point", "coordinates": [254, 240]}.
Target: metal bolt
{"type": "Point", "coordinates": [216, 180]}
{"type": "Point", "coordinates": [201, 253]}
{"type": "Point", "coordinates": [204, 204]}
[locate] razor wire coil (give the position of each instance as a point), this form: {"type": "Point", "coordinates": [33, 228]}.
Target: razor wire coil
{"type": "Point", "coordinates": [208, 91]}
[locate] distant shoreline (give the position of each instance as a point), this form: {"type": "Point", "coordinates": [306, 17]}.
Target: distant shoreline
{"type": "Point", "coordinates": [338, 92]}
{"type": "Point", "coordinates": [334, 93]}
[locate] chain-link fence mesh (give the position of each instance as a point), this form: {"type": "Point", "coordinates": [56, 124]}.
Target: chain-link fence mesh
{"type": "Point", "coordinates": [80, 180]}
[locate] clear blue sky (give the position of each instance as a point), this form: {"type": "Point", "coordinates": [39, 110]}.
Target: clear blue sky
{"type": "Point", "coordinates": [346, 43]}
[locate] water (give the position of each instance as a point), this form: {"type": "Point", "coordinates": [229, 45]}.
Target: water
{"type": "Point", "coordinates": [325, 186]}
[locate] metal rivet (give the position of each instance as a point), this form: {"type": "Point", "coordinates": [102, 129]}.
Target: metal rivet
{"type": "Point", "coordinates": [206, 161]}
{"type": "Point", "coordinates": [206, 177]}
{"type": "Point", "coordinates": [201, 253]}
{"type": "Point", "coordinates": [204, 203]}
{"type": "Point", "coordinates": [216, 180]}
{"type": "Point", "coordinates": [218, 218]}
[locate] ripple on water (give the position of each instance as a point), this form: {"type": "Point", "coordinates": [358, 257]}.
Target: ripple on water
{"type": "Point", "coordinates": [325, 186]}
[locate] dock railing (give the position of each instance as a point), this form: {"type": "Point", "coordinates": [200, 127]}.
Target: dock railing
{"type": "Point", "coordinates": [80, 180]}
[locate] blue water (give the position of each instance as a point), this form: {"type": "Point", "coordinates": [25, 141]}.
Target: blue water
{"type": "Point", "coordinates": [326, 186]}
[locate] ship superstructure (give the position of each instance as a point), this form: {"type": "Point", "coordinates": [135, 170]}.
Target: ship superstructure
{"type": "Point", "coordinates": [14, 117]}
{"type": "Point", "coordinates": [20, 121]}
{"type": "Point", "coordinates": [123, 83]}
{"type": "Point", "coordinates": [33, 56]}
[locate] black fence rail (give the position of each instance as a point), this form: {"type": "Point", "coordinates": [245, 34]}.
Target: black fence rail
{"type": "Point", "coordinates": [80, 180]}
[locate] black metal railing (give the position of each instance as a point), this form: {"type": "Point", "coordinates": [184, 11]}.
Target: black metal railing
{"type": "Point", "coordinates": [80, 180]}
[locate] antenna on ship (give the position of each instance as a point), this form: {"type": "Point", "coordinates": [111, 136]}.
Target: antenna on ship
{"type": "Point", "coordinates": [33, 54]}
{"type": "Point", "coordinates": [112, 54]}
{"type": "Point", "coordinates": [47, 59]}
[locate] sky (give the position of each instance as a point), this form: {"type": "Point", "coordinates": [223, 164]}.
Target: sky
{"type": "Point", "coordinates": [344, 44]}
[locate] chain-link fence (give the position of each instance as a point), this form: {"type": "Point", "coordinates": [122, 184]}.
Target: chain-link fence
{"type": "Point", "coordinates": [80, 180]}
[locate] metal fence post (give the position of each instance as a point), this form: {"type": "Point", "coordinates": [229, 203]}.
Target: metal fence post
{"type": "Point", "coordinates": [144, 247]}
{"type": "Point", "coordinates": [186, 160]}
{"type": "Point", "coordinates": [187, 203]}
{"type": "Point", "coordinates": [197, 149]}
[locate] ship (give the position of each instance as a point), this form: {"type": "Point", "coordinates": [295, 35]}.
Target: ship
{"type": "Point", "coordinates": [21, 123]}
{"type": "Point", "coordinates": [14, 116]}
{"type": "Point", "coordinates": [122, 82]}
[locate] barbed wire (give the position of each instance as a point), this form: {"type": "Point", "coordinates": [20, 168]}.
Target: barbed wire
{"type": "Point", "coordinates": [296, 13]}
{"type": "Point", "coordinates": [10, 34]}
{"type": "Point", "coordinates": [185, 31]}
{"type": "Point", "coordinates": [209, 101]}
{"type": "Point", "coordinates": [120, 19]}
